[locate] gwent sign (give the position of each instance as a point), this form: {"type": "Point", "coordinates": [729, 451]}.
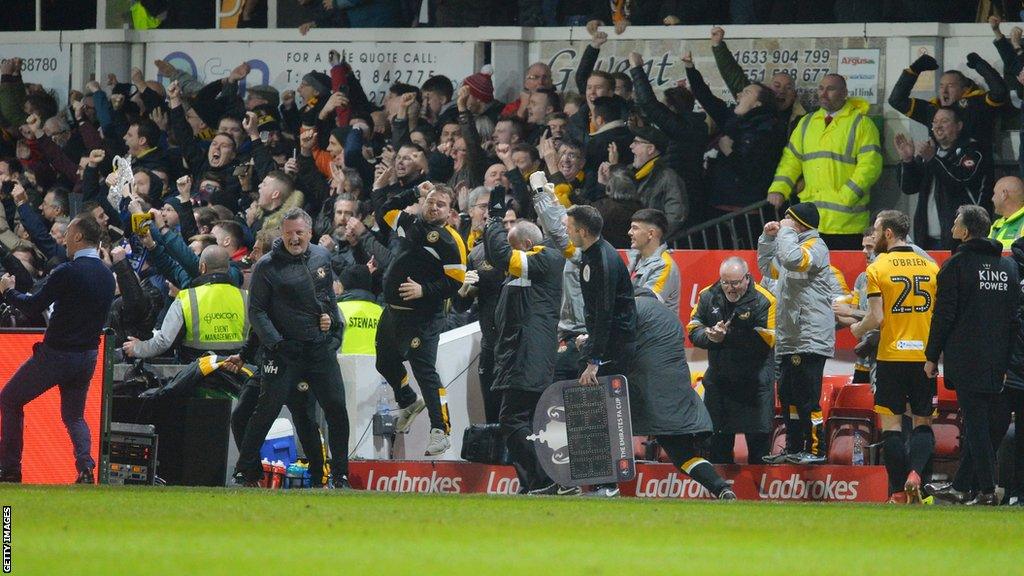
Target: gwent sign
{"type": "Point", "coordinates": [774, 483]}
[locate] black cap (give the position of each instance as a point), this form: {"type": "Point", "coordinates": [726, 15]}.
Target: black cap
{"type": "Point", "coordinates": [805, 213]}
{"type": "Point", "coordinates": [652, 135]}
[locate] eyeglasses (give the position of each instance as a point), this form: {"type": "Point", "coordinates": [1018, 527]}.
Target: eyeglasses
{"type": "Point", "coordinates": [538, 77]}
{"type": "Point", "coordinates": [482, 205]}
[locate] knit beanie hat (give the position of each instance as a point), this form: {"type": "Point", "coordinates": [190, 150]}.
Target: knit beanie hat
{"type": "Point", "coordinates": [319, 81]}
{"type": "Point", "coordinates": [805, 213]}
{"type": "Point", "coordinates": [480, 85]}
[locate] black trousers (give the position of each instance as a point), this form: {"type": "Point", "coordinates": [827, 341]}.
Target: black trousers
{"type": "Point", "coordinates": [405, 336]}
{"type": "Point", "coordinates": [684, 451]}
{"type": "Point", "coordinates": [723, 446]}
{"type": "Point", "coordinates": [800, 392]}
{"type": "Point", "coordinates": [516, 422]}
{"type": "Point", "coordinates": [843, 241]}
{"type": "Point", "coordinates": [302, 405]}
{"type": "Point", "coordinates": [317, 365]}
{"type": "Point", "coordinates": [485, 369]}
{"type": "Point", "coordinates": [1013, 403]}
{"type": "Point", "coordinates": [978, 455]}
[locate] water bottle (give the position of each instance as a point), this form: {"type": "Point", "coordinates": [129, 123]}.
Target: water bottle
{"type": "Point", "coordinates": [858, 449]}
{"type": "Point", "coordinates": [383, 398]}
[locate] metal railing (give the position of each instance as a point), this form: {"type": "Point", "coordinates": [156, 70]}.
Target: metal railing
{"type": "Point", "coordinates": [732, 231]}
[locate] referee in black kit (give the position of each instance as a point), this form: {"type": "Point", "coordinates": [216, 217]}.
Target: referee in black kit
{"type": "Point", "coordinates": [292, 310]}
{"type": "Point", "coordinates": [81, 292]}
{"type": "Point", "coordinates": [608, 300]}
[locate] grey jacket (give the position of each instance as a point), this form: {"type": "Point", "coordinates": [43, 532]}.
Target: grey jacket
{"type": "Point", "coordinates": [663, 189]}
{"type": "Point", "coordinates": [661, 400]}
{"type": "Point", "coordinates": [804, 321]}
{"type": "Point", "coordinates": [658, 273]}
{"type": "Point", "coordinates": [550, 216]}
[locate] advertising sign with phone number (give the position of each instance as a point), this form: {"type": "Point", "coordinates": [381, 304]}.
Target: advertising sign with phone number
{"type": "Point", "coordinates": [283, 64]}
{"type": "Point", "coordinates": [48, 65]}
{"type": "Point", "coordinates": [807, 60]}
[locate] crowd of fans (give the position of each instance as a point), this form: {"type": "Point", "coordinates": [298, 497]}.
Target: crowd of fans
{"type": "Point", "coordinates": [213, 166]}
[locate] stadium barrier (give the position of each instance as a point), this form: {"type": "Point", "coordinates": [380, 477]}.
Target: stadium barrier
{"type": "Point", "coordinates": [775, 483]}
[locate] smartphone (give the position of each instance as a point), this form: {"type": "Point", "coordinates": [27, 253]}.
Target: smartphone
{"type": "Point", "coordinates": [295, 153]}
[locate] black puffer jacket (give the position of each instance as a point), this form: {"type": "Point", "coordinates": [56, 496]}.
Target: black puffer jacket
{"type": "Point", "coordinates": [758, 137]}
{"type": "Point", "coordinates": [287, 295]}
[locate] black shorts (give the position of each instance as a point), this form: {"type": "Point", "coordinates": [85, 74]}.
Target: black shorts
{"type": "Point", "coordinates": [898, 384]}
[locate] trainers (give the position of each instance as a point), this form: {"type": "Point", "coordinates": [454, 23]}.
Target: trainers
{"type": "Point", "coordinates": [439, 442]}
{"type": "Point", "coordinates": [549, 490]}
{"type": "Point", "coordinates": [604, 492]}
{"type": "Point", "coordinates": [779, 458]}
{"type": "Point", "coordinates": [913, 488]}
{"type": "Point", "coordinates": [242, 482]}
{"type": "Point", "coordinates": [805, 458]}
{"type": "Point", "coordinates": [10, 476]}
{"type": "Point", "coordinates": [983, 499]}
{"type": "Point", "coordinates": [339, 483]}
{"type": "Point", "coordinates": [85, 477]}
{"type": "Point", "coordinates": [407, 415]}
{"type": "Point", "coordinates": [727, 494]}
{"type": "Point", "coordinates": [555, 489]}
{"type": "Point", "coordinates": [945, 492]}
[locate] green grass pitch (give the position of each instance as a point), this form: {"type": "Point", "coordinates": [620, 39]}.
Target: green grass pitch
{"type": "Point", "coordinates": [144, 531]}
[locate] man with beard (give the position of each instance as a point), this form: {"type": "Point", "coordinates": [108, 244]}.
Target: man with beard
{"type": "Point", "coordinates": [407, 170]}
{"type": "Point", "coordinates": [483, 282]}
{"type": "Point", "coordinates": [428, 266]}
{"type": "Point", "coordinates": [734, 320]}
{"type": "Point", "coordinates": [901, 291]}
{"type": "Point", "coordinates": [293, 311]}
{"type": "Point", "coordinates": [955, 173]}
{"type": "Point", "coordinates": [792, 253]}
{"type": "Point", "coordinates": [345, 206]}
{"type": "Point", "coordinates": [979, 109]}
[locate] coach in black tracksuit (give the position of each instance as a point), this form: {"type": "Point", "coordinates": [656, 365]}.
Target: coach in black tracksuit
{"type": "Point", "coordinates": [973, 328]}
{"type": "Point", "coordinates": [610, 310]}
{"type": "Point", "coordinates": [300, 402]}
{"type": "Point", "coordinates": [292, 310]}
{"type": "Point", "coordinates": [609, 307]}
{"type": "Point", "coordinates": [526, 319]}
{"type": "Point", "coordinates": [428, 266]}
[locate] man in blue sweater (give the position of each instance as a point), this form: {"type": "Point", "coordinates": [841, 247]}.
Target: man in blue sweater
{"type": "Point", "coordinates": [81, 292]}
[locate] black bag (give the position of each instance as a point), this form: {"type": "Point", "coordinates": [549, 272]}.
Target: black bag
{"type": "Point", "coordinates": [482, 443]}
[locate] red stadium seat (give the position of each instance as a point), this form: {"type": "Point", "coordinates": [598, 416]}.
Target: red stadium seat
{"type": "Point", "coordinates": [947, 425]}
{"type": "Point", "coordinates": [830, 386]}
{"type": "Point", "coordinates": [852, 414]}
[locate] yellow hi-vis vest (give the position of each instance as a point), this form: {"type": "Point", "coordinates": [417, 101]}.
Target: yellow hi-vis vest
{"type": "Point", "coordinates": [361, 318]}
{"type": "Point", "coordinates": [215, 317]}
{"type": "Point", "coordinates": [839, 163]}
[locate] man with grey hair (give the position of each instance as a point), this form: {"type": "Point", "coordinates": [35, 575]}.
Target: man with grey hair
{"type": "Point", "coordinates": [527, 333]}
{"type": "Point", "coordinates": [973, 327]}
{"type": "Point", "coordinates": [211, 314]}
{"type": "Point", "coordinates": [292, 310]}
{"type": "Point", "coordinates": [483, 283]}
{"type": "Point", "coordinates": [734, 320]}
